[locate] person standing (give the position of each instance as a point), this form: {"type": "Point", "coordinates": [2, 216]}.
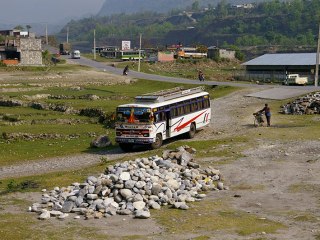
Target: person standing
{"type": "Point", "coordinates": [267, 113]}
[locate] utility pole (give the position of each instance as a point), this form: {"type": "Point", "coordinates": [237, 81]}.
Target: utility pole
{"type": "Point", "coordinates": [316, 76]}
{"type": "Point", "coordinates": [67, 34]}
{"type": "Point", "coordinates": [139, 54]}
{"type": "Point", "coordinates": [46, 33]}
{"type": "Point", "coordinates": [94, 44]}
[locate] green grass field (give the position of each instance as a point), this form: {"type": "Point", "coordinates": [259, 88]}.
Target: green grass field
{"type": "Point", "coordinates": [32, 121]}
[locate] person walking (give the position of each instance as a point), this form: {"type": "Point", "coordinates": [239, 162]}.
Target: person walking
{"type": "Point", "coordinates": [125, 70]}
{"type": "Point", "coordinates": [200, 76]}
{"type": "Point", "coordinates": [267, 113]}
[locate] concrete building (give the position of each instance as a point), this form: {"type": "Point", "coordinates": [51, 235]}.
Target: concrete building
{"type": "Point", "coordinates": [165, 56]}
{"type": "Point", "coordinates": [20, 49]}
{"type": "Point", "coordinates": [215, 53]}
{"type": "Point", "coordinates": [275, 67]}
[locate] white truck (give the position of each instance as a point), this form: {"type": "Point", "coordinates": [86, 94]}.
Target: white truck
{"type": "Point", "coordinates": [295, 79]}
{"type": "Point", "coordinates": [75, 54]}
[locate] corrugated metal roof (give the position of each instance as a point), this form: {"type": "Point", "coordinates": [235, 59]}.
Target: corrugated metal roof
{"type": "Point", "coordinates": [284, 59]}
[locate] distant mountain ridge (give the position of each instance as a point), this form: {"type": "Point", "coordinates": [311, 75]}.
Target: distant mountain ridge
{"type": "Point", "coordinates": [161, 6]}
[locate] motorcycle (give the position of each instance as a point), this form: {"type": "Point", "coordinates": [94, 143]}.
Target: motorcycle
{"type": "Point", "coordinates": [125, 71]}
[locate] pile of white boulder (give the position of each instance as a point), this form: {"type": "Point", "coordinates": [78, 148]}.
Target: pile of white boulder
{"type": "Point", "coordinates": [309, 104]}
{"type": "Point", "coordinates": [133, 187]}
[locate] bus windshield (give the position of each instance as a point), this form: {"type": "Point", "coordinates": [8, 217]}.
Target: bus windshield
{"type": "Point", "coordinates": [133, 114]}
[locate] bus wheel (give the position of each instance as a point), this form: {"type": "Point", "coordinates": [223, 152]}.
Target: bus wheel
{"type": "Point", "coordinates": [192, 131]}
{"type": "Point", "coordinates": [126, 147]}
{"type": "Point", "coordinates": [158, 142]}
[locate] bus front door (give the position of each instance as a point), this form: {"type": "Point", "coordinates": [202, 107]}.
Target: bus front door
{"type": "Point", "coordinates": [168, 124]}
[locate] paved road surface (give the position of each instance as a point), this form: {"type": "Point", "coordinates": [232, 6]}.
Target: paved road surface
{"type": "Point", "coordinates": [280, 93]}
{"type": "Point", "coordinates": [268, 91]}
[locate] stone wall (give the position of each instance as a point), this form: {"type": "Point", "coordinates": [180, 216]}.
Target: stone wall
{"type": "Point", "coordinates": [30, 51]}
{"type": "Point", "coordinates": [227, 54]}
{"type": "Point", "coordinates": [221, 53]}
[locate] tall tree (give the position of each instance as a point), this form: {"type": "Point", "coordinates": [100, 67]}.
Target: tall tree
{"type": "Point", "coordinates": [195, 6]}
{"type": "Point", "coordinates": [19, 27]}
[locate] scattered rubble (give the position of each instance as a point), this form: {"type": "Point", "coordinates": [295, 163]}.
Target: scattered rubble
{"type": "Point", "coordinates": [91, 112]}
{"type": "Point", "coordinates": [101, 142]}
{"type": "Point", "coordinates": [11, 103]}
{"type": "Point", "coordinates": [42, 136]}
{"type": "Point", "coordinates": [309, 104]}
{"type": "Point", "coordinates": [132, 188]}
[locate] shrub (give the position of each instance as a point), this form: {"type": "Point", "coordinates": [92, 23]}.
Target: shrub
{"type": "Point", "coordinates": [11, 118]}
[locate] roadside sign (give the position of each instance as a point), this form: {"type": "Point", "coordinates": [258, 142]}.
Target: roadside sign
{"type": "Point", "coordinates": [126, 45]}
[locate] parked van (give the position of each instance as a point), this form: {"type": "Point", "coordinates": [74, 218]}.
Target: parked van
{"type": "Point", "coordinates": [76, 54]}
{"type": "Point", "coordinates": [295, 79]}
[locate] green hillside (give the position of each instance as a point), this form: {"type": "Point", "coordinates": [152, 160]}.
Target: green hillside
{"type": "Point", "coordinates": [272, 23]}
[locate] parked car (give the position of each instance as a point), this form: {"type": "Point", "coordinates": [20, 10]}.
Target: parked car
{"type": "Point", "coordinates": [295, 79]}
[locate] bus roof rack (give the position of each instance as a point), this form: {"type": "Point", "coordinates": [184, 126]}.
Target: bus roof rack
{"type": "Point", "coordinates": [167, 94]}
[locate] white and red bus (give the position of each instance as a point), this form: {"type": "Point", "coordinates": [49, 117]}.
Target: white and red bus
{"type": "Point", "coordinates": [157, 116]}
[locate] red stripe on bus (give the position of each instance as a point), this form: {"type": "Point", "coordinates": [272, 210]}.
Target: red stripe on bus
{"type": "Point", "coordinates": [179, 127]}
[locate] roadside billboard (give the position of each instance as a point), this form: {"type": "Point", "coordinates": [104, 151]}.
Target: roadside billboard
{"type": "Point", "coordinates": [126, 45]}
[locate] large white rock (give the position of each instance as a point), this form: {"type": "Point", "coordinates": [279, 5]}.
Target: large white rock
{"type": "Point", "coordinates": [44, 215]}
{"type": "Point", "coordinates": [154, 205]}
{"type": "Point", "coordinates": [63, 216]}
{"type": "Point", "coordinates": [173, 184]}
{"type": "Point", "coordinates": [142, 214]}
{"type": "Point", "coordinates": [55, 213]}
{"type": "Point", "coordinates": [140, 184]}
{"type": "Point", "coordinates": [92, 196]}
{"type": "Point", "coordinates": [108, 201]}
{"type": "Point", "coordinates": [125, 176]}
{"type": "Point", "coordinates": [126, 193]}
{"type": "Point", "coordinates": [181, 205]}
{"type": "Point", "coordinates": [139, 205]}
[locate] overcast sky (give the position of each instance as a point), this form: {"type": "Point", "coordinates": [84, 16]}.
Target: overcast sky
{"type": "Point", "coordinates": [45, 11]}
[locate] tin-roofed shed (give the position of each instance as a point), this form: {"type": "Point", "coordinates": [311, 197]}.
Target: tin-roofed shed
{"type": "Point", "coordinates": [275, 67]}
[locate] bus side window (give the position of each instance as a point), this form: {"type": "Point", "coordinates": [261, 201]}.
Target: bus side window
{"type": "Point", "coordinates": [187, 107]}
{"type": "Point", "coordinates": [161, 116]}
{"type": "Point", "coordinates": [194, 106]}
{"type": "Point", "coordinates": [206, 103]}
{"type": "Point", "coordinates": [199, 103]}
{"type": "Point", "coordinates": [157, 117]}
